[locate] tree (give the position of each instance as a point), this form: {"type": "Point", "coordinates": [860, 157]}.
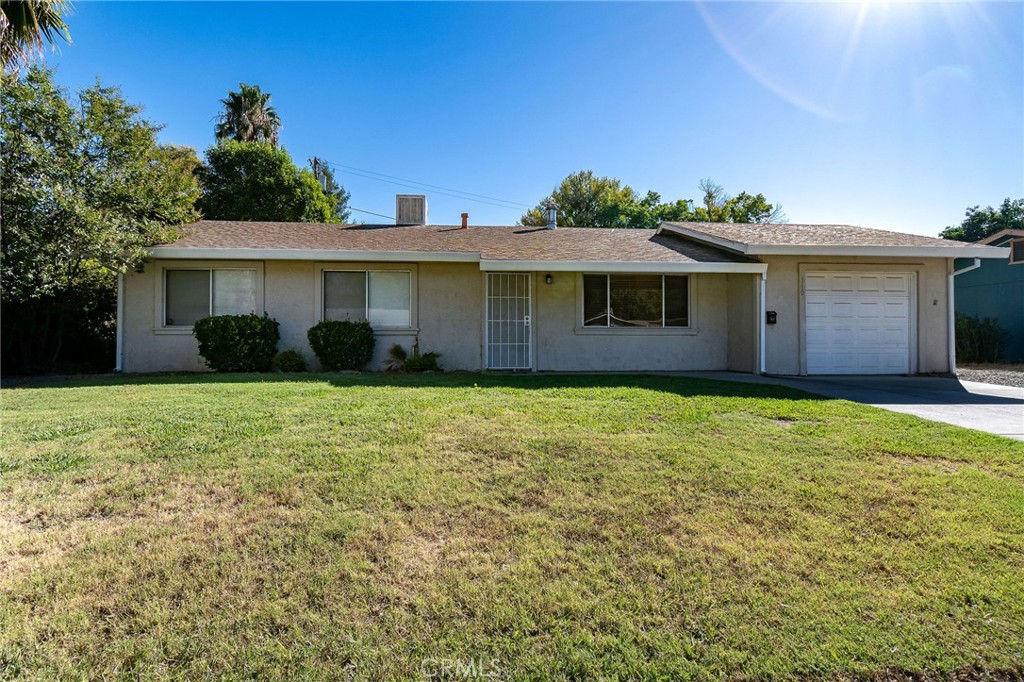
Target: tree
{"type": "Point", "coordinates": [331, 188]}
{"type": "Point", "coordinates": [85, 187]}
{"type": "Point", "coordinates": [26, 26]}
{"type": "Point", "coordinates": [258, 181]}
{"type": "Point", "coordinates": [586, 200]}
{"type": "Point", "coordinates": [979, 223]}
{"type": "Point", "coordinates": [248, 116]}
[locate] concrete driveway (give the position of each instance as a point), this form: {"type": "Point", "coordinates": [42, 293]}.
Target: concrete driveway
{"type": "Point", "coordinates": [986, 407]}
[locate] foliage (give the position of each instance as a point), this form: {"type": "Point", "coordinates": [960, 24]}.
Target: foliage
{"type": "Point", "coordinates": [290, 360]}
{"type": "Point", "coordinates": [979, 340]}
{"type": "Point", "coordinates": [85, 188]}
{"type": "Point", "coordinates": [26, 26]}
{"type": "Point", "coordinates": [322, 171]}
{"type": "Point", "coordinates": [399, 360]}
{"type": "Point", "coordinates": [248, 116]}
{"type": "Point", "coordinates": [586, 200]}
{"type": "Point", "coordinates": [572, 527]}
{"type": "Point", "coordinates": [258, 181]}
{"type": "Point", "coordinates": [342, 344]}
{"type": "Point", "coordinates": [237, 343]}
{"type": "Point", "coordinates": [979, 223]}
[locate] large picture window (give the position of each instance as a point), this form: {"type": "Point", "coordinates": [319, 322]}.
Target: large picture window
{"type": "Point", "coordinates": [644, 301]}
{"type": "Point", "coordinates": [384, 297]}
{"type": "Point", "coordinates": [190, 295]}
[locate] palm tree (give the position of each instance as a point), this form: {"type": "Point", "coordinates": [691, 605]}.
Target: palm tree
{"type": "Point", "coordinates": [248, 116]}
{"type": "Point", "coordinates": [27, 25]}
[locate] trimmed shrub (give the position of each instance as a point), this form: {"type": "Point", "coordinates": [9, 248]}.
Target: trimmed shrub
{"type": "Point", "coordinates": [237, 343]}
{"type": "Point", "coordinates": [979, 340]}
{"type": "Point", "coordinates": [399, 360]}
{"type": "Point", "coordinates": [290, 360]}
{"type": "Point", "coordinates": [342, 344]}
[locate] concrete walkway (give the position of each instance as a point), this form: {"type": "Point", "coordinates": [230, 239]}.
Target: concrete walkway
{"type": "Point", "coordinates": [986, 407]}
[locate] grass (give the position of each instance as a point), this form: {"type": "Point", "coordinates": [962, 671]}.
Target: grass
{"type": "Point", "coordinates": [532, 527]}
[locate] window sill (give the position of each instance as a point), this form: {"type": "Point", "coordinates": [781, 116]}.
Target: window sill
{"type": "Point", "coordinates": [173, 331]}
{"type": "Point", "coordinates": [635, 331]}
{"type": "Point", "coordinates": [393, 331]}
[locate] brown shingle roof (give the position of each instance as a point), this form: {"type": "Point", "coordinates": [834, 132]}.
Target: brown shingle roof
{"type": "Point", "coordinates": [491, 243]}
{"type": "Point", "coordinates": [812, 235]}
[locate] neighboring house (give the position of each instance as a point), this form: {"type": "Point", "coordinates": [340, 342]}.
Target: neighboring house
{"type": "Point", "coordinates": [996, 289]}
{"type": "Point", "coordinates": [780, 299]}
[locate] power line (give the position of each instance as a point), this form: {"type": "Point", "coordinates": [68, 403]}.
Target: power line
{"type": "Point", "coordinates": [414, 184]}
{"type": "Point", "coordinates": [350, 208]}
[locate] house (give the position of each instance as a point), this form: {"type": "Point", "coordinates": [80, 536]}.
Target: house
{"type": "Point", "coordinates": [996, 289]}
{"type": "Point", "coordinates": [779, 299]}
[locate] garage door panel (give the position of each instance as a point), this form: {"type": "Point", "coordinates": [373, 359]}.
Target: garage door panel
{"type": "Point", "coordinates": [857, 323]}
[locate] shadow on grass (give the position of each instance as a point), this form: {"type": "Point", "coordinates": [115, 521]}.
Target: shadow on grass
{"type": "Point", "coordinates": [684, 386]}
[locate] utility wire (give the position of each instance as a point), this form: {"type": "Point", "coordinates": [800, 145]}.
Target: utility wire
{"type": "Point", "coordinates": [413, 184]}
{"type": "Point", "coordinates": [350, 208]}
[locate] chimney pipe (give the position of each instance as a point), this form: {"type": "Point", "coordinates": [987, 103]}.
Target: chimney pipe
{"type": "Point", "coordinates": [465, 220]}
{"type": "Point", "coordinates": [552, 211]}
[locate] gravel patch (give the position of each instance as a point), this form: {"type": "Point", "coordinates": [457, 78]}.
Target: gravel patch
{"type": "Point", "coordinates": [1004, 375]}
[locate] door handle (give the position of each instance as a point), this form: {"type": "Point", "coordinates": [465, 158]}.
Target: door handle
{"type": "Point", "coordinates": [526, 320]}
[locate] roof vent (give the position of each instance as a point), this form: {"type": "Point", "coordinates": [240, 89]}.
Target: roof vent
{"type": "Point", "coordinates": [552, 212]}
{"type": "Point", "coordinates": [410, 209]}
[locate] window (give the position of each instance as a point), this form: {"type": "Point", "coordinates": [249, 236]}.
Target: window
{"type": "Point", "coordinates": [384, 297]}
{"type": "Point", "coordinates": [1017, 252]}
{"type": "Point", "coordinates": [191, 295]}
{"type": "Point", "coordinates": [645, 301]}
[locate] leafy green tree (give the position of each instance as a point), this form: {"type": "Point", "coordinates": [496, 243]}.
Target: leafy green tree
{"type": "Point", "coordinates": [26, 26]}
{"type": "Point", "coordinates": [979, 223]}
{"type": "Point", "coordinates": [85, 188]}
{"type": "Point", "coordinates": [258, 181]}
{"type": "Point", "coordinates": [325, 175]}
{"type": "Point", "coordinates": [584, 199]}
{"type": "Point", "coordinates": [248, 116]}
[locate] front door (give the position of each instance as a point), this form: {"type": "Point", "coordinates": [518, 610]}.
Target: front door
{"type": "Point", "coordinates": [508, 335]}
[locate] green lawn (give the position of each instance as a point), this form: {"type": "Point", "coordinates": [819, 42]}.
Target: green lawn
{"type": "Point", "coordinates": [537, 527]}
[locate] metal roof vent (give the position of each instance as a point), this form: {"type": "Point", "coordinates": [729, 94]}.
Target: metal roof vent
{"type": "Point", "coordinates": [552, 212]}
{"type": "Point", "coordinates": [410, 209]}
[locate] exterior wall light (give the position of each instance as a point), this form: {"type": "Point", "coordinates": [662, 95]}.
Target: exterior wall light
{"type": "Point", "coordinates": [548, 279]}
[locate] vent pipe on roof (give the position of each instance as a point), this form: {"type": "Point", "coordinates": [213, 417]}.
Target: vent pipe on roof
{"type": "Point", "coordinates": [552, 211]}
{"type": "Point", "coordinates": [465, 220]}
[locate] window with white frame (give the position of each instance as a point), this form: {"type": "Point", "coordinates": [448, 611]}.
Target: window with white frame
{"type": "Point", "coordinates": [638, 301]}
{"type": "Point", "coordinates": [384, 297]}
{"type": "Point", "coordinates": [192, 294]}
{"type": "Point", "coordinates": [1017, 252]}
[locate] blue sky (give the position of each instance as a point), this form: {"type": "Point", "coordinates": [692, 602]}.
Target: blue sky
{"type": "Point", "coordinates": [888, 115]}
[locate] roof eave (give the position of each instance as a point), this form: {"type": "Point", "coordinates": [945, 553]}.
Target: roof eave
{"type": "Point", "coordinates": [495, 265]}
{"type": "Point", "coordinates": [224, 253]}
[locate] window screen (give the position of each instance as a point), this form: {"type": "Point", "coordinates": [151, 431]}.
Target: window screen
{"type": "Point", "coordinates": [677, 313]}
{"type": "Point", "coordinates": [389, 299]}
{"type": "Point", "coordinates": [187, 296]}
{"type": "Point", "coordinates": [234, 292]}
{"type": "Point", "coordinates": [634, 300]}
{"type": "Point", "coordinates": [345, 296]}
{"type": "Point", "coordinates": [651, 301]}
{"type": "Point", "coordinates": [595, 300]}
{"type": "Point", "coordinates": [1017, 251]}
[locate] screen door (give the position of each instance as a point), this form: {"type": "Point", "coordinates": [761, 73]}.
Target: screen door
{"type": "Point", "coordinates": [508, 320]}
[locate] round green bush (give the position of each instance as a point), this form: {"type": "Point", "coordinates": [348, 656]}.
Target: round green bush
{"type": "Point", "coordinates": [237, 343]}
{"type": "Point", "coordinates": [290, 360]}
{"type": "Point", "coordinates": [342, 344]}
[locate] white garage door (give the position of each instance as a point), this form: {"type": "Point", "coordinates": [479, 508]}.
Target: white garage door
{"type": "Point", "coordinates": [857, 323]}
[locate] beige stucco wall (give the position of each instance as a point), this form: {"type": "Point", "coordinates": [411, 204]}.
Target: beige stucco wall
{"type": "Point", "coordinates": [446, 303]}
{"type": "Point", "coordinates": [562, 345]}
{"type": "Point", "coordinates": [785, 296]}
{"type": "Point", "coordinates": [448, 309]}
